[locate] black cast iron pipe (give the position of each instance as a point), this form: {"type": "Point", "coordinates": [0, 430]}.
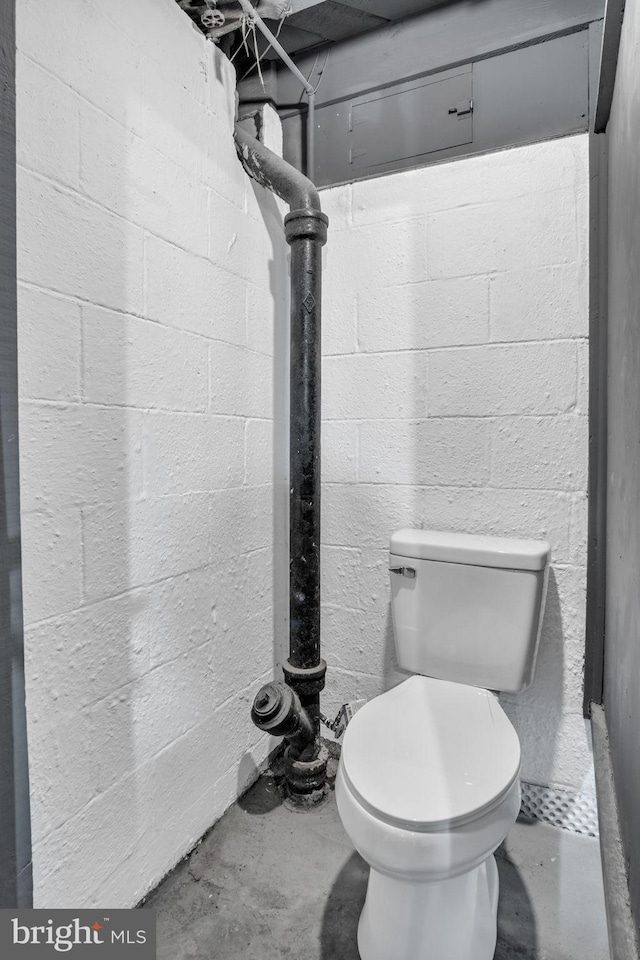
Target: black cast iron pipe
{"type": "Point", "coordinates": [277, 710]}
{"type": "Point", "coordinates": [274, 173]}
{"type": "Point", "coordinates": [306, 233]}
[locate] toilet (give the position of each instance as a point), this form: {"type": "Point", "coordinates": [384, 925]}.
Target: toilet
{"type": "Point", "coordinates": [428, 781]}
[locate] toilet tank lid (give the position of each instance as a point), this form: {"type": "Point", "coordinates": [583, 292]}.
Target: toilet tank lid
{"type": "Point", "coordinates": [480, 551]}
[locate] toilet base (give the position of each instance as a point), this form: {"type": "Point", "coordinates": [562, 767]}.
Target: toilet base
{"type": "Point", "coordinates": [442, 920]}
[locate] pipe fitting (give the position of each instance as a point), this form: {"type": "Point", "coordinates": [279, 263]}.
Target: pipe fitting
{"type": "Point", "coordinates": [305, 681]}
{"type": "Point", "coordinates": [306, 778]}
{"type": "Point", "coordinates": [277, 710]}
{"type": "Point", "coordinates": [306, 225]}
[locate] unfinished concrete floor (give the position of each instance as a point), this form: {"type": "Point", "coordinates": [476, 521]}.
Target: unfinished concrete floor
{"type": "Point", "coordinates": [269, 883]}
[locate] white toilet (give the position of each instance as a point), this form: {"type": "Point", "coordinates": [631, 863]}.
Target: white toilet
{"type": "Point", "coordinates": [428, 785]}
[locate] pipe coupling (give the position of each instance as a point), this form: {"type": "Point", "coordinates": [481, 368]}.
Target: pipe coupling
{"type": "Point", "coordinates": [306, 224]}
{"type": "Point", "coordinates": [277, 710]}
{"type": "Point", "coordinates": [306, 681]}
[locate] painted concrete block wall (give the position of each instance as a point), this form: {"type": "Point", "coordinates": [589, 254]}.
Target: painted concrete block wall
{"type": "Point", "coordinates": [455, 397]}
{"type": "Point", "coordinates": [148, 268]}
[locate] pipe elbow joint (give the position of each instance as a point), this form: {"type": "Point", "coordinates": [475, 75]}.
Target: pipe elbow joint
{"type": "Point", "coordinates": [276, 174]}
{"type": "Point", "coordinates": [277, 710]}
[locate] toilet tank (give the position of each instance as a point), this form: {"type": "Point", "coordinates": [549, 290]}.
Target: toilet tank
{"type": "Point", "coordinates": [468, 608]}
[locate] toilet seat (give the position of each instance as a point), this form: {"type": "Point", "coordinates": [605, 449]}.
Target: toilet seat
{"type": "Point", "coordinates": [431, 754]}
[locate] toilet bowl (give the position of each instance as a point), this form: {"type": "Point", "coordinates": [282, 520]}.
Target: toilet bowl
{"type": "Point", "coordinates": [427, 788]}
{"type": "Point", "coordinates": [428, 780]}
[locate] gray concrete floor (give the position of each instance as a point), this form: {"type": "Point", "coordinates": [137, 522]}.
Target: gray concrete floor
{"type": "Point", "coordinates": [270, 883]}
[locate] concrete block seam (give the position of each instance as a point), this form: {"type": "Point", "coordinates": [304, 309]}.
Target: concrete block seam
{"type": "Point", "coordinates": [65, 190]}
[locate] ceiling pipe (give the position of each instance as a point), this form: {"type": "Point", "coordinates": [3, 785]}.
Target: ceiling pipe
{"type": "Point", "coordinates": [250, 10]}
{"type": "Point", "coordinates": [298, 718]}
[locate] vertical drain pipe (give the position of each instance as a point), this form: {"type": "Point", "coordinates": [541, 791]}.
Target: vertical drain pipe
{"type": "Point", "coordinates": [274, 708]}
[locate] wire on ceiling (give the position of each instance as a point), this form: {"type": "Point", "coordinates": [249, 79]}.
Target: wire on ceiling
{"type": "Point", "coordinates": [263, 54]}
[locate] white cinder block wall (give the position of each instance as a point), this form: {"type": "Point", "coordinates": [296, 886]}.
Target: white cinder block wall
{"type": "Point", "coordinates": [150, 271]}
{"type": "Point", "coordinates": [455, 397]}
{"type": "Point", "coordinates": [148, 275]}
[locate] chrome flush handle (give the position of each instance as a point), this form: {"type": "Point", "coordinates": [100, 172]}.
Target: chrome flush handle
{"type": "Point", "coordinates": [404, 571]}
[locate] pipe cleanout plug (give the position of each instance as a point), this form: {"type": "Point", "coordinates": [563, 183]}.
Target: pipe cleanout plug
{"type": "Point", "coordinates": [277, 710]}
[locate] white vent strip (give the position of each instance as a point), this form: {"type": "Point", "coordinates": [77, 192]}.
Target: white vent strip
{"type": "Point", "coordinates": [560, 808]}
